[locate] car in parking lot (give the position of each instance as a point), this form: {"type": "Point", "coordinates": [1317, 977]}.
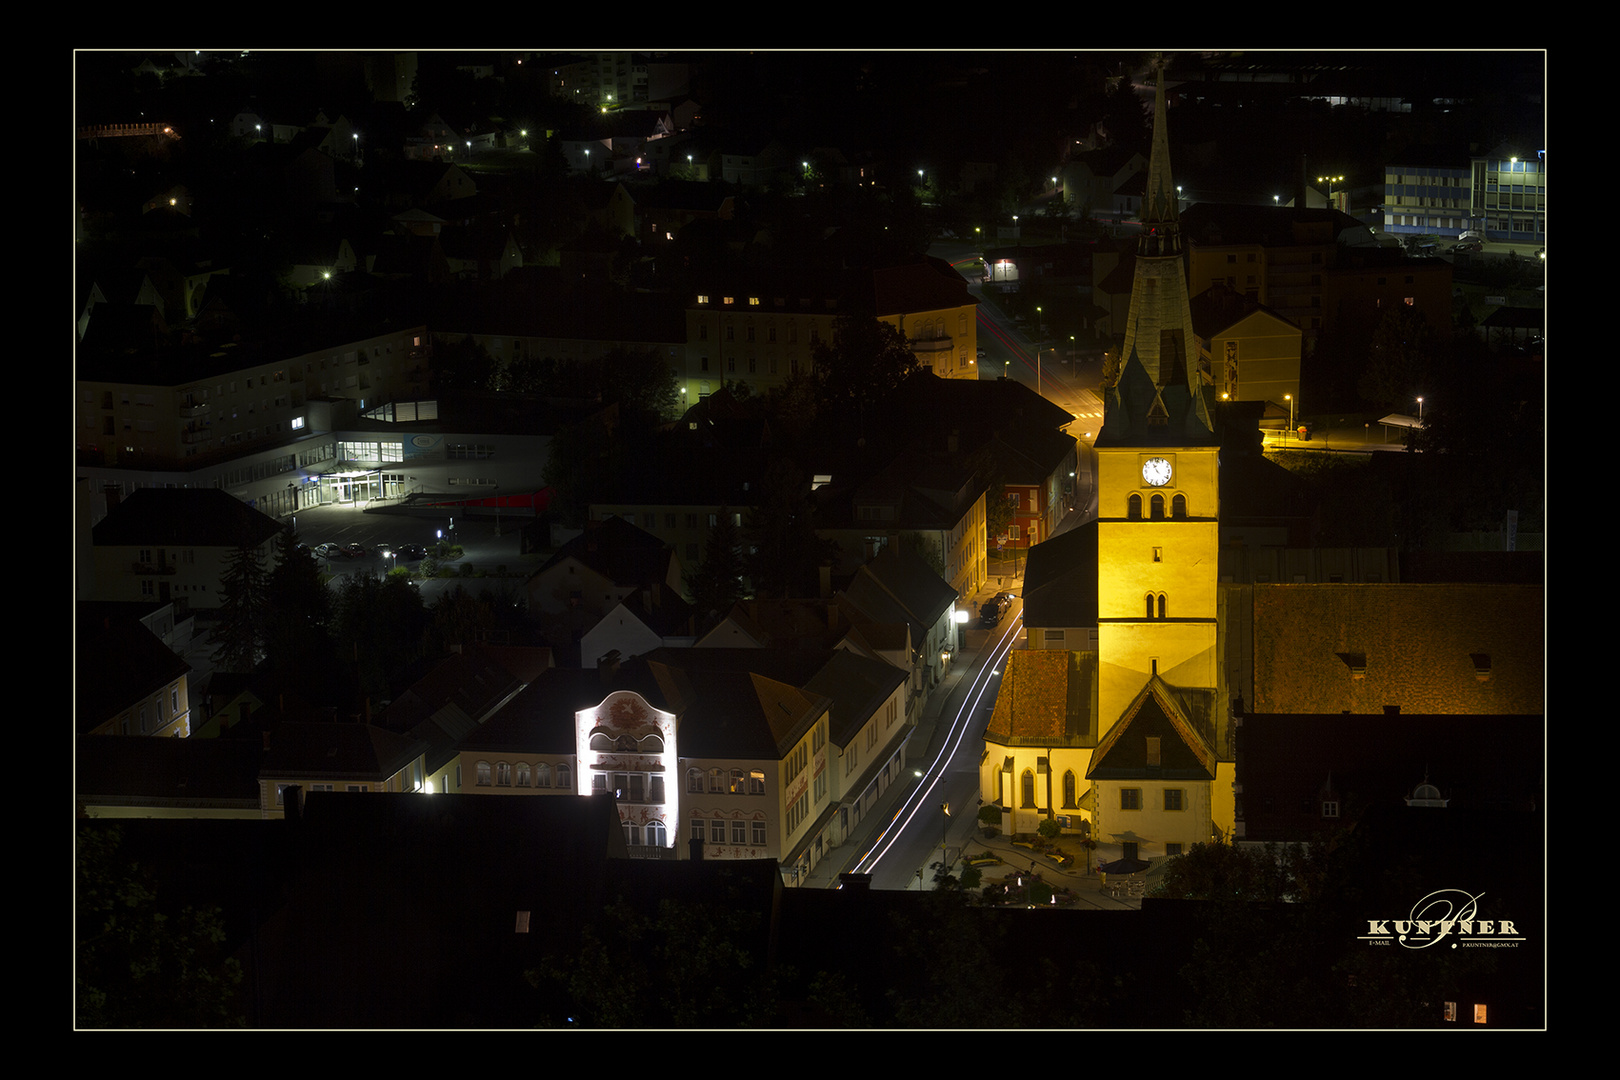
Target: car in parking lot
{"type": "Point", "coordinates": [408, 552]}
{"type": "Point", "coordinates": [354, 549]}
{"type": "Point", "coordinates": [330, 551]}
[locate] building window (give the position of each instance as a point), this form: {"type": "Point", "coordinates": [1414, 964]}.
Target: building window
{"type": "Point", "coordinates": [1173, 799]}
{"type": "Point", "coordinates": [564, 777]}
{"type": "Point", "coordinates": [757, 833]}
{"type": "Point", "coordinates": [522, 775]}
{"type": "Point", "coordinates": [738, 784]}
{"type": "Point", "coordinates": [542, 775]}
{"type": "Point", "coordinates": [717, 783]}
{"type": "Point", "coordinates": [717, 832]}
{"type": "Point", "coordinates": [1133, 508]}
{"type": "Point", "coordinates": [698, 828]}
{"type": "Point", "coordinates": [756, 783]}
{"type": "Point", "coordinates": [1069, 790]}
{"type": "Point", "coordinates": [1130, 798]}
{"type": "Point", "coordinates": [739, 833]}
{"type": "Point", "coordinates": [503, 774]}
{"type": "Point", "coordinates": [1172, 849]}
{"type": "Point", "coordinates": [483, 774]}
{"type": "Point", "coordinates": [656, 836]}
{"type": "Point", "coordinates": [1158, 508]}
{"type": "Point", "coordinates": [1330, 809]}
{"type": "Point", "coordinates": [1026, 790]}
{"type": "Point", "coordinates": [1178, 506]}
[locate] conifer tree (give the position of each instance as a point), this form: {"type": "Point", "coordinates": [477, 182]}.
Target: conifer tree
{"type": "Point", "coordinates": [239, 637]}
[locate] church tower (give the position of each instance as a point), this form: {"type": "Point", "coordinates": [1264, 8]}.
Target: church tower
{"type": "Point", "coordinates": [1158, 531]}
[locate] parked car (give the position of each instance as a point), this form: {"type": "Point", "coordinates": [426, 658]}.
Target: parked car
{"type": "Point", "coordinates": [354, 550]}
{"type": "Point", "coordinates": [330, 551]}
{"type": "Point", "coordinates": [992, 610]}
{"type": "Point", "coordinates": [407, 551]}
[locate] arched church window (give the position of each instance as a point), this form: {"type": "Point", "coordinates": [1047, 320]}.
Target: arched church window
{"type": "Point", "coordinates": [1158, 508]}
{"type": "Point", "coordinates": [1133, 508]}
{"type": "Point", "coordinates": [1178, 506]}
{"type": "Point", "coordinates": [1026, 792]}
{"type": "Point", "coordinates": [1068, 789]}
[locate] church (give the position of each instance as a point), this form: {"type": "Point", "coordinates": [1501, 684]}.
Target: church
{"type": "Point", "coordinates": [1145, 720]}
{"type": "Point", "coordinates": [1136, 744]}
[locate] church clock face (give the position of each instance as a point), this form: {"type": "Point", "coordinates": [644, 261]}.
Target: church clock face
{"type": "Point", "coordinates": [1156, 472]}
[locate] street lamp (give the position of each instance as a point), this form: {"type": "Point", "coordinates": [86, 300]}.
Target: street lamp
{"type": "Point", "coordinates": [1420, 412]}
{"type": "Point", "coordinates": [944, 840]}
{"type": "Point", "coordinates": [1290, 398]}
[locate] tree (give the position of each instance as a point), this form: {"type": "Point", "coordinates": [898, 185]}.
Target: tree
{"type": "Point", "coordinates": [641, 383]}
{"type": "Point", "coordinates": [784, 553]}
{"type": "Point", "coordinates": [1217, 871]}
{"type": "Point", "coordinates": [239, 637]}
{"type": "Point", "coordinates": [298, 623]}
{"type": "Point", "coordinates": [715, 584]}
{"type": "Point", "coordinates": [1403, 349]}
{"type": "Point", "coordinates": [382, 627]}
{"type": "Point", "coordinates": [140, 964]}
{"type": "Point", "coordinates": [865, 361]}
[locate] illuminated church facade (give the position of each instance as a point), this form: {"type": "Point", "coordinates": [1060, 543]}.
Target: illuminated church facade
{"type": "Point", "coordinates": [1154, 755]}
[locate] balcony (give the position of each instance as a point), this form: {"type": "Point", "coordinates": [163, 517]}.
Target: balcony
{"type": "Point", "coordinates": [147, 569]}
{"type": "Point", "coordinates": [192, 410]}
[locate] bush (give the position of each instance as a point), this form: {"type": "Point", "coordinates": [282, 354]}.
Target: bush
{"type": "Point", "coordinates": [1049, 829]}
{"type": "Point", "coordinates": [990, 815]}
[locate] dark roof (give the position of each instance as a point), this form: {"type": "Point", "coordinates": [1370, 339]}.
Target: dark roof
{"type": "Point", "coordinates": [1267, 226]}
{"type": "Point", "coordinates": [617, 550]}
{"type": "Point", "coordinates": [159, 773]}
{"type": "Point", "coordinates": [1060, 580]}
{"type": "Point", "coordinates": [1288, 764]}
{"type": "Point", "coordinates": [183, 517]}
{"type": "Point", "coordinates": [340, 751]}
{"type": "Point", "coordinates": [898, 586]}
{"type": "Point", "coordinates": [118, 664]}
{"type": "Point", "coordinates": [1455, 648]}
{"type": "Point", "coordinates": [856, 686]}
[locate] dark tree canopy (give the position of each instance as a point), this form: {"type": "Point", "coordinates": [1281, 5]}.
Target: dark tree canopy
{"type": "Point", "coordinates": [865, 361]}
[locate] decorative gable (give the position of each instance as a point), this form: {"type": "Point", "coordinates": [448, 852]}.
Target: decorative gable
{"type": "Point", "coordinates": [1155, 739]}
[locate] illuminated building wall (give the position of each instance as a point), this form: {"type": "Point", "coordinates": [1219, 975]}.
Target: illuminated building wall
{"type": "Point", "coordinates": [628, 747]}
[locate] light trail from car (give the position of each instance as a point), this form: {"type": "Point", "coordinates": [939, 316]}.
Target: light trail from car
{"type": "Point", "coordinates": [958, 731]}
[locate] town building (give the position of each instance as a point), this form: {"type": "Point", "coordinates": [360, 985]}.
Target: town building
{"type": "Point", "coordinates": [764, 328]}
{"type": "Point", "coordinates": [174, 544]}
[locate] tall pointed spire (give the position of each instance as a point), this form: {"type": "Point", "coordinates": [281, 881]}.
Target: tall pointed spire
{"type": "Point", "coordinates": [1158, 330]}
{"type": "Point", "coordinates": [1160, 214]}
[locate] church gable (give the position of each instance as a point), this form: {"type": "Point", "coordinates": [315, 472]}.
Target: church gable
{"type": "Point", "coordinates": [1154, 739]}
